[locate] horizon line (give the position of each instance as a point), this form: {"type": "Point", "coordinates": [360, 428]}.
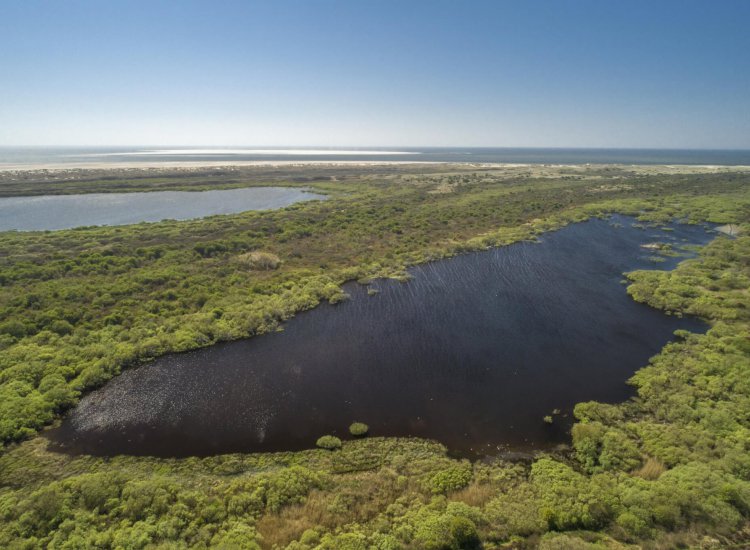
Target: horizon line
{"type": "Point", "coordinates": [356, 147]}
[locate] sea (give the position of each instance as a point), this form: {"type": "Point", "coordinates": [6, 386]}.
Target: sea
{"type": "Point", "coordinates": [11, 157]}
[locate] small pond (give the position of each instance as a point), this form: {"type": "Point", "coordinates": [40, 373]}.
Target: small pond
{"type": "Point", "coordinates": [474, 352]}
{"type": "Point", "coordinates": [49, 212]}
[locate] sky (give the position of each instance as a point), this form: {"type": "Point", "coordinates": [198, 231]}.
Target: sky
{"type": "Point", "coordinates": [576, 73]}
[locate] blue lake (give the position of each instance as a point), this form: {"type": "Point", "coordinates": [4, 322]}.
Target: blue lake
{"type": "Point", "coordinates": [50, 212]}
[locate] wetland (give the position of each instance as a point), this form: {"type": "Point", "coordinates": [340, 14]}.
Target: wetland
{"type": "Point", "coordinates": [607, 361]}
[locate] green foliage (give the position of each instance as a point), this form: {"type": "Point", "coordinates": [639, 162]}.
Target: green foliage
{"type": "Point", "coordinates": [568, 499]}
{"type": "Point", "coordinates": [76, 307]}
{"type": "Point", "coordinates": [600, 448]}
{"type": "Point", "coordinates": [515, 513]}
{"type": "Point", "coordinates": [440, 526]}
{"type": "Point", "coordinates": [330, 442]}
{"type": "Point", "coordinates": [238, 536]}
{"type": "Point", "coordinates": [111, 508]}
{"type": "Point", "coordinates": [359, 429]}
{"type": "Point", "coordinates": [456, 476]}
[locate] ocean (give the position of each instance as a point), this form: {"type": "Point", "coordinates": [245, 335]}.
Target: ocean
{"type": "Point", "coordinates": [31, 156]}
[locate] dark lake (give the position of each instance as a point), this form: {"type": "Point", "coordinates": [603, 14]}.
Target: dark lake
{"type": "Point", "coordinates": [50, 212]}
{"type": "Point", "coordinates": [474, 351]}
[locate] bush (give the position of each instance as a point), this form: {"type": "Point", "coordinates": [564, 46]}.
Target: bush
{"type": "Point", "coordinates": [329, 442]}
{"type": "Point", "coordinates": [453, 478]}
{"type": "Point", "coordinates": [16, 329]}
{"type": "Point", "coordinates": [463, 533]}
{"type": "Point", "coordinates": [359, 429]}
{"type": "Point", "coordinates": [515, 513]}
{"type": "Point", "coordinates": [568, 499]}
{"type": "Point", "coordinates": [61, 327]}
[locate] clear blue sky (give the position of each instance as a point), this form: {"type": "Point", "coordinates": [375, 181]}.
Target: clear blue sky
{"type": "Point", "coordinates": [559, 73]}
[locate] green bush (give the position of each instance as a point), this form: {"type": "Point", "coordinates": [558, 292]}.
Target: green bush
{"type": "Point", "coordinates": [15, 329]}
{"type": "Point", "coordinates": [330, 442]}
{"type": "Point", "coordinates": [451, 479]}
{"type": "Point", "coordinates": [61, 327]}
{"type": "Point", "coordinates": [359, 429]}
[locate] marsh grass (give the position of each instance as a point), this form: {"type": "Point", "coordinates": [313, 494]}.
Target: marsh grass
{"type": "Point", "coordinates": [476, 494]}
{"type": "Point", "coordinates": [651, 469]}
{"type": "Point", "coordinates": [359, 498]}
{"type": "Point", "coordinates": [261, 261]}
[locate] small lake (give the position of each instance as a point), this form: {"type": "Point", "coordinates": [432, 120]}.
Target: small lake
{"type": "Point", "coordinates": [474, 351]}
{"type": "Point", "coordinates": [49, 212]}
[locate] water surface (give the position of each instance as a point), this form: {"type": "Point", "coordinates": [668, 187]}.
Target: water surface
{"type": "Point", "coordinates": [474, 351]}
{"type": "Point", "coordinates": [49, 212]}
{"type": "Point", "coordinates": [40, 156]}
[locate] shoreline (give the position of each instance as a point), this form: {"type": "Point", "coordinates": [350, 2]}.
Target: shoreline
{"type": "Point", "coordinates": [196, 164]}
{"type": "Point", "coordinates": [63, 166]}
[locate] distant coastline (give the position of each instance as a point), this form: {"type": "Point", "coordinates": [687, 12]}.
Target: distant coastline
{"type": "Point", "coordinates": [197, 166]}
{"type": "Point", "coordinates": [53, 158]}
{"type": "Point", "coordinates": [190, 164]}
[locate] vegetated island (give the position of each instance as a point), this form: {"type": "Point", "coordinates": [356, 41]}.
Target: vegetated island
{"type": "Point", "coordinates": [666, 469]}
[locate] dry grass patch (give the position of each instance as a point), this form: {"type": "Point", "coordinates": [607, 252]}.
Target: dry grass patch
{"type": "Point", "coordinates": [652, 468]}
{"type": "Point", "coordinates": [259, 261]}
{"type": "Point", "coordinates": [278, 530]}
{"type": "Point", "coordinates": [476, 494]}
{"type": "Point", "coordinates": [357, 498]}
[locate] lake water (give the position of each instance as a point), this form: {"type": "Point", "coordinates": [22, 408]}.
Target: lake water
{"type": "Point", "coordinates": [30, 156]}
{"type": "Point", "coordinates": [474, 351]}
{"type": "Point", "coordinates": [50, 212]}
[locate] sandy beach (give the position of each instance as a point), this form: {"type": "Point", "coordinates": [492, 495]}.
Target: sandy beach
{"type": "Point", "coordinates": [195, 164]}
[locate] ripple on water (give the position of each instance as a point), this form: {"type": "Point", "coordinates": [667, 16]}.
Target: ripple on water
{"type": "Point", "coordinates": [474, 351]}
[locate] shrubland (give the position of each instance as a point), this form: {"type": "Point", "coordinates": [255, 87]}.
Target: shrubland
{"type": "Point", "coordinates": [667, 468]}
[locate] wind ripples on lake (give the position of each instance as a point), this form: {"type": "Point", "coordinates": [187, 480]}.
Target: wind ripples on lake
{"type": "Point", "coordinates": [473, 351]}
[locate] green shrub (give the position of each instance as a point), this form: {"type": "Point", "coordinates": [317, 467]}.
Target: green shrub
{"type": "Point", "coordinates": [330, 442]}
{"type": "Point", "coordinates": [16, 329]}
{"type": "Point", "coordinates": [359, 429]}
{"type": "Point", "coordinates": [568, 499]}
{"type": "Point", "coordinates": [515, 513]}
{"type": "Point", "coordinates": [463, 533]}
{"type": "Point", "coordinates": [453, 478]}
{"type": "Point", "coordinates": [61, 327]}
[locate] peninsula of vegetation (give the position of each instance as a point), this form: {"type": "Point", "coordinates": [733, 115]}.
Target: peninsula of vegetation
{"type": "Point", "coordinates": [668, 468]}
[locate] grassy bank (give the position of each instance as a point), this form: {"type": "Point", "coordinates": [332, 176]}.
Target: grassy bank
{"type": "Point", "coordinates": [77, 306]}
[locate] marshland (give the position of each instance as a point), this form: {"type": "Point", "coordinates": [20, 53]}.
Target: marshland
{"type": "Point", "coordinates": [539, 353]}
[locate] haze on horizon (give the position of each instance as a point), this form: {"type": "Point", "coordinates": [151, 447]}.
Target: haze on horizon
{"type": "Point", "coordinates": [639, 74]}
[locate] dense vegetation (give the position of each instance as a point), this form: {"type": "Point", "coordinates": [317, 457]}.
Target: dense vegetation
{"type": "Point", "coordinates": [119, 180]}
{"type": "Point", "coordinates": [667, 468]}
